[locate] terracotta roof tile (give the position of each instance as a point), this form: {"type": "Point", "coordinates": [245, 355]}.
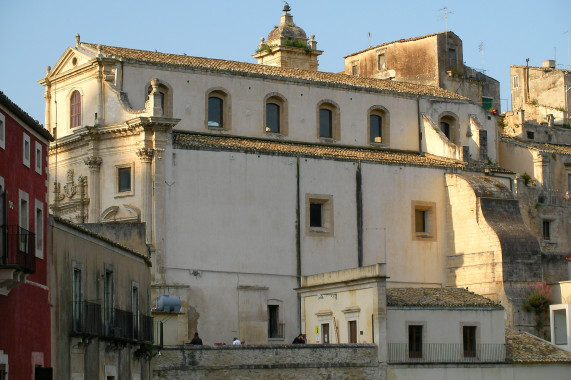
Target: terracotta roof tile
{"type": "Point", "coordinates": [253, 69]}
{"type": "Point", "coordinates": [438, 298]}
{"type": "Point", "coordinates": [523, 347]}
{"type": "Point", "coordinates": [251, 145]}
{"type": "Point", "coordinates": [542, 147]}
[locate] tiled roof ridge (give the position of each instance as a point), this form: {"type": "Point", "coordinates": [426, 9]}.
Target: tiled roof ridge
{"type": "Point", "coordinates": [79, 228]}
{"type": "Point", "coordinates": [438, 297]}
{"type": "Point", "coordinates": [252, 69]}
{"type": "Point", "coordinates": [26, 118]}
{"type": "Point", "coordinates": [410, 39]}
{"type": "Point", "coordinates": [306, 149]}
{"type": "Point", "coordinates": [523, 347]}
{"type": "Point", "coordinates": [540, 146]}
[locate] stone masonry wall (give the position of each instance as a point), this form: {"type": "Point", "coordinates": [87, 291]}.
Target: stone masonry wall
{"type": "Point", "coordinates": [315, 361]}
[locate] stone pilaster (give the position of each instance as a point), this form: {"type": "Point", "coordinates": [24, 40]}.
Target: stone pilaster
{"type": "Point", "coordinates": [156, 98]}
{"type": "Point", "coordinates": [146, 156]}
{"type": "Point", "coordinates": [94, 164]}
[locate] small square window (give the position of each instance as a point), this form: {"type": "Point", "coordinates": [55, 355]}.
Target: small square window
{"type": "Point", "coordinates": [319, 214]}
{"type": "Point", "coordinates": [423, 221]}
{"type": "Point", "coordinates": [530, 135]}
{"type": "Point", "coordinates": [124, 179]}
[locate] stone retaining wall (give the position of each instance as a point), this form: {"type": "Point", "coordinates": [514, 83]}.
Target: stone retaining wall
{"type": "Point", "coordinates": [315, 361]}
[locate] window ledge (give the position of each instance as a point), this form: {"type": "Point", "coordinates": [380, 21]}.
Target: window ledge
{"type": "Point", "coordinates": [217, 129]}
{"type": "Point", "coordinates": [424, 235]}
{"type": "Point", "coordinates": [327, 140]}
{"type": "Point", "coordinates": [124, 194]}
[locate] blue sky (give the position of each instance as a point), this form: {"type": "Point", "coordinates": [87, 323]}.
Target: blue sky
{"type": "Point", "coordinates": [36, 33]}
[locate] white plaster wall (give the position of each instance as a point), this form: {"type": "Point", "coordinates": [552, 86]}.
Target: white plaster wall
{"type": "Point", "coordinates": [388, 193]}
{"type": "Point", "coordinates": [337, 250]}
{"type": "Point", "coordinates": [445, 325]}
{"type": "Point", "coordinates": [359, 297]}
{"type": "Point", "coordinates": [231, 217]}
{"type": "Point", "coordinates": [518, 159]}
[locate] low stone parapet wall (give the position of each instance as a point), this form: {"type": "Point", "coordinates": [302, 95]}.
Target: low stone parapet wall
{"type": "Point", "coordinates": [311, 361]}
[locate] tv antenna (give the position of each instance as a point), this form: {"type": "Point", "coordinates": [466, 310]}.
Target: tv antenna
{"type": "Point", "coordinates": [481, 50]}
{"type": "Point", "coordinates": [445, 16]}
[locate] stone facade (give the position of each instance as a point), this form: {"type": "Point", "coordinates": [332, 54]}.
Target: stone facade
{"type": "Point", "coordinates": [434, 59]}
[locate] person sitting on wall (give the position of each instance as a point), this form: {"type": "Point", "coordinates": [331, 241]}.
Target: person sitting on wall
{"type": "Point", "coordinates": [196, 340]}
{"type": "Point", "coordinates": [236, 341]}
{"type": "Point", "coordinates": [298, 339]}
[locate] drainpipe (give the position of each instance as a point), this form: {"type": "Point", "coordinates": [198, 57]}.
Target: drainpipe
{"type": "Point", "coordinates": [419, 125]}
{"type": "Point", "coordinates": [298, 239]}
{"type": "Point", "coordinates": [359, 196]}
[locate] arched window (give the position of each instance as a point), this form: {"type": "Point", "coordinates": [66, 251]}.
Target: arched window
{"type": "Point", "coordinates": [218, 109]}
{"type": "Point", "coordinates": [272, 118]}
{"type": "Point", "coordinates": [448, 124]}
{"type": "Point", "coordinates": [328, 120]}
{"type": "Point", "coordinates": [325, 123]}
{"type": "Point", "coordinates": [75, 109]}
{"type": "Point", "coordinates": [275, 114]}
{"type": "Point", "coordinates": [378, 125]}
{"type": "Point", "coordinates": [215, 112]}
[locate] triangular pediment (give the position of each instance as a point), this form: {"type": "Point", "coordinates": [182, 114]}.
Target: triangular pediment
{"type": "Point", "coordinates": [71, 60]}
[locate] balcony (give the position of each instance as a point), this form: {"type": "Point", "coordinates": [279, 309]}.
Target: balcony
{"type": "Point", "coordinates": [87, 319]}
{"type": "Point", "coordinates": [446, 353]}
{"type": "Point", "coordinates": [124, 326]}
{"type": "Point", "coordinates": [17, 256]}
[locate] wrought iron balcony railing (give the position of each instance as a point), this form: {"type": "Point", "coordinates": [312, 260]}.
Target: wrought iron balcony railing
{"type": "Point", "coordinates": [87, 318]}
{"type": "Point", "coordinates": [124, 325]}
{"type": "Point", "coordinates": [17, 248]}
{"type": "Point", "coordinates": [446, 353]}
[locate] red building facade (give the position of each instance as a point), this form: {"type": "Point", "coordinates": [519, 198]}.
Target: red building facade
{"type": "Point", "coordinates": [24, 307]}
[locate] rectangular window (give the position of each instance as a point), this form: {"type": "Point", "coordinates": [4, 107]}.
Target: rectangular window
{"type": "Point", "coordinates": [77, 304]}
{"type": "Point", "coordinates": [26, 150]}
{"type": "Point", "coordinates": [560, 326]}
{"type": "Point", "coordinates": [352, 326]}
{"type": "Point", "coordinates": [316, 215]}
{"type": "Point", "coordinates": [355, 68]}
{"type": "Point", "coordinates": [423, 220]}
{"type": "Point", "coordinates": [2, 131]}
{"type": "Point", "coordinates": [414, 341]}
{"type": "Point", "coordinates": [325, 333]}
{"type": "Point", "coordinates": [108, 300]}
{"type": "Point", "coordinates": [375, 125]}
{"type": "Point", "coordinates": [452, 59]}
{"type": "Point", "coordinates": [325, 123]}
{"type": "Point", "coordinates": [124, 179]}
{"type": "Point", "coordinates": [515, 81]}
{"type": "Point", "coordinates": [272, 118]}
{"type": "Point", "coordinates": [568, 183]}
{"type": "Point", "coordinates": [546, 230]}
{"type": "Point", "coordinates": [38, 160]}
{"type": "Point", "coordinates": [530, 135]}
{"type": "Point", "coordinates": [487, 103]}
{"type": "Point", "coordinates": [319, 214]}
{"type": "Point", "coordinates": [215, 114]}
{"type": "Point", "coordinates": [273, 321]}
{"type": "Point", "coordinates": [39, 229]}
{"type": "Point", "coordinates": [469, 341]}
{"type": "Point", "coordinates": [135, 309]}
{"type": "Point", "coordinates": [381, 61]}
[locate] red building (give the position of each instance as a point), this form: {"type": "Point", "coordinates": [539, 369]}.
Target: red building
{"type": "Point", "coordinates": [24, 307]}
